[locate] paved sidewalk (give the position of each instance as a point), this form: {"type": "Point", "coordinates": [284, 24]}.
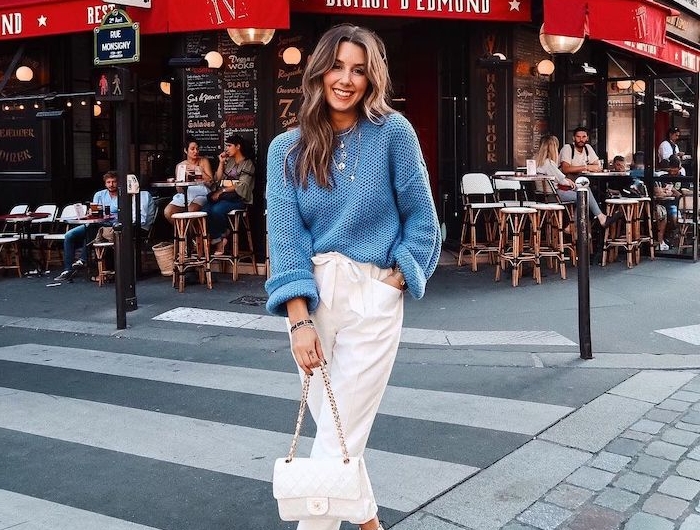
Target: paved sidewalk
{"type": "Point", "coordinates": [645, 478]}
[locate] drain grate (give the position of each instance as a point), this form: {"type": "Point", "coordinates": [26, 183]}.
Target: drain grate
{"type": "Point", "coordinates": [249, 300]}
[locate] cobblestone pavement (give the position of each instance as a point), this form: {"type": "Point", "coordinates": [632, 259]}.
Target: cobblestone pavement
{"type": "Point", "coordinates": [648, 478]}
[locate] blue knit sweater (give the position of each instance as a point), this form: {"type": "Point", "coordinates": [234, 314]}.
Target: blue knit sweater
{"type": "Point", "coordinates": [384, 216]}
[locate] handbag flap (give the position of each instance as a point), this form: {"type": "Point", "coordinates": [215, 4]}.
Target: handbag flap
{"type": "Point", "coordinates": [317, 477]}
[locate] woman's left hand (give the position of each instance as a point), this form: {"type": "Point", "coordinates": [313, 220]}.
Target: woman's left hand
{"type": "Point", "coordinates": [393, 281]}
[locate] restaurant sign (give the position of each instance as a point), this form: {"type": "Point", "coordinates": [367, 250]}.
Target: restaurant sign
{"type": "Point", "coordinates": [487, 10]}
{"type": "Point", "coordinates": [18, 21]}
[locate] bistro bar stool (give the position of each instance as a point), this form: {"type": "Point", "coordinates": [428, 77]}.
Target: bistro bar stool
{"type": "Point", "coordinates": [478, 186]}
{"type": "Point", "coordinates": [195, 224]}
{"type": "Point", "coordinates": [645, 234]}
{"type": "Point", "coordinates": [512, 222]}
{"type": "Point", "coordinates": [9, 254]}
{"type": "Point", "coordinates": [102, 272]}
{"type": "Point", "coordinates": [240, 222]}
{"type": "Point", "coordinates": [622, 234]}
{"type": "Point", "coordinates": [551, 230]}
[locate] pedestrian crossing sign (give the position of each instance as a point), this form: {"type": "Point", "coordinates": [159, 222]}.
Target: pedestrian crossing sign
{"type": "Point", "coordinates": [110, 83]}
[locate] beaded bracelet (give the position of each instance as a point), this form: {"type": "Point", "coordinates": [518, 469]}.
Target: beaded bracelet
{"type": "Point", "coordinates": [301, 324]}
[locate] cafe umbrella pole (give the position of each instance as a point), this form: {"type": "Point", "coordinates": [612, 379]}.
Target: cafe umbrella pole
{"type": "Point", "coordinates": [584, 298]}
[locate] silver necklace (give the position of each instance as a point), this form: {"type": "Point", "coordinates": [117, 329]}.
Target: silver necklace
{"type": "Point", "coordinates": [343, 153]}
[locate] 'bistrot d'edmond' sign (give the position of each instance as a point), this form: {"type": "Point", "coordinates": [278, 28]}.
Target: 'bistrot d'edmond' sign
{"type": "Point", "coordinates": [486, 10]}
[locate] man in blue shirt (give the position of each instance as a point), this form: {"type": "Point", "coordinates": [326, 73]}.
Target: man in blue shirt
{"type": "Point", "coordinates": [78, 235]}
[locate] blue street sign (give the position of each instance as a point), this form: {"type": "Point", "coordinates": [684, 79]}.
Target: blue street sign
{"type": "Point", "coordinates": [117, 40]}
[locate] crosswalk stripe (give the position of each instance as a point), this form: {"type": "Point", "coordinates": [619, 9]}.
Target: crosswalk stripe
{"type": "Point", "coordinates": [231, 449]}
{"type": "Point", "coordinates": [435, 337]}
{"type": "Point", "coordinates": [689, 334]}
{"type": "Point", "coordinates": [501, 414]}
{"type": "Point", "coordinates": [19, 511]}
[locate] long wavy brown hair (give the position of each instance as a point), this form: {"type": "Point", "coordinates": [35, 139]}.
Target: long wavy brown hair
{"type": "Point", "coordinates": [315, 144]}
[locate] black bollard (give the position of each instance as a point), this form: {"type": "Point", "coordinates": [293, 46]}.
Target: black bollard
{"type": "Point", "coordinates": [119, 279]}
{"type": "Point", "coordinates": [584, 295]}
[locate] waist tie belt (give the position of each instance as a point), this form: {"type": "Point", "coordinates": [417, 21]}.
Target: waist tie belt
{"type": "Point", "coordinates": [327, 268]}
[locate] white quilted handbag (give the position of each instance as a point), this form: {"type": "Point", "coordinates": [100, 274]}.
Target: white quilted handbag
{"type": "Point", "coordinates": [322, 488]}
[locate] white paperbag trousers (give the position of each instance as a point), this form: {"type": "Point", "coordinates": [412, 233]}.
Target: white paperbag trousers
{"type": "Point", "coordinates": [359, 323]}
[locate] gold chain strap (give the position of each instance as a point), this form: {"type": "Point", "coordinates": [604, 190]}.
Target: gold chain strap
{"type": "Point", "coordinates": [302, 410]}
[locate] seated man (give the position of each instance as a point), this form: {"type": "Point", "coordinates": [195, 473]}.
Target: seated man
{"type": "Point", "coordinates": [665, 196]}
{"type": "Point", "coordinates": [79, 235]}
{"type": "Point", "coordinates": [619, 164]}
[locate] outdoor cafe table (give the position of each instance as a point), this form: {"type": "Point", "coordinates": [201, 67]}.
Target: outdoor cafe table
{"type": "Point", "coordinates": [175, 184]}
{"type": "Point", "coordinates": [519, 177]}
{"type": "Point", "coordinates": [24, 227]}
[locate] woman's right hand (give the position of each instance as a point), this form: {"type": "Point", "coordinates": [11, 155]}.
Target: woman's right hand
{"type": "Point", "coordinates": [306, 348]}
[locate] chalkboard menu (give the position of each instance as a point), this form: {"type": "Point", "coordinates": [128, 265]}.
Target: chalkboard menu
{"type": "Point", "coordinates": [203, 99]}
{"type": "Point", "coordinates": [288, 80]}
{"type": "Point", "coordinates": [224, 101]}
{"type": "Point", "coordinates": [530, 97]}
{"type": "Point", "coordinates": [240, 89]}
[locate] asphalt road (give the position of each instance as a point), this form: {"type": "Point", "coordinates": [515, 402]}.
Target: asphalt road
{"type": "Point", "coordinates": [174, 422]}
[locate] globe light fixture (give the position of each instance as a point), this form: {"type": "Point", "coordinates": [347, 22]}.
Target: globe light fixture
{"type": "Point", "coordinates": [559, 43]}
{"type": "Point", "coordinates": [291, 55]}
{"type": "Point", "coordinates": [96, 110]}
{"type": "Point", "coordinates": [624, 84]}
{"type": "Point", "coordinates": [214, 59]}
{"type": "Point", "coordinates": [639, 86]}
{"type": "Point", "coordinates": [24, 74]}
{"type": "Point", "coordinates": [165, 87]}
{"type": "Point", "coordinates": [246, 36]}
{"type": "Point", "coordinates": [545, 67]}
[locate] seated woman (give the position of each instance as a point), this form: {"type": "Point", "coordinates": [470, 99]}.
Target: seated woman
{"type": "Point", "coordinates": [566, 188]}
{"type": "Point", "coordinates": [235, 179]}
{"type": "Point", "coordinates": [198, 167]}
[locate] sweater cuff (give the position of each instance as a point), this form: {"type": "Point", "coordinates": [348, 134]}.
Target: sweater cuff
{"type": "Point", "coordinates": [412, 273]}
{"type": "Point", "coordinates": [294, 284]}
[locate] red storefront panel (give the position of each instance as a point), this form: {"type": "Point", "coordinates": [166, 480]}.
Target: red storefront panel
{"type": "Point", "coordinates": [485, 10]}
{"type": "Point", "coordinates": [621, 20]}
{"type": "Point", "coordinates": [41, 18]}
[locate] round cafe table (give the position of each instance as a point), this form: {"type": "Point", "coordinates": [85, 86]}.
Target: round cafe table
{"type": "Point", "coordinates": [174, 184]}
{"type": "Point", "coordinates": [23, 222]}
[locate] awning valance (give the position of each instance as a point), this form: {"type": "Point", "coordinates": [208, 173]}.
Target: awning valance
{"type": "Point", "coordinates": [674, 53]}
{"type": "Point", "coordinates": [42, 18]}
{"type": "Point", "coordinates": [486, 11]}
{"type": "Point", "coordinates": [641, 21]}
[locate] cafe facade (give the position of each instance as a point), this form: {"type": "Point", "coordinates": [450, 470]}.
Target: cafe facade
{"type": "Point", "coordinates": [471, 75]}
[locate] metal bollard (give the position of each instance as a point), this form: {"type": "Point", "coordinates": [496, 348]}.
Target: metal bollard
{"type": "Point", "coordinates": [119, 279]}
{"type": "Point", "coordinates": [584, 295]}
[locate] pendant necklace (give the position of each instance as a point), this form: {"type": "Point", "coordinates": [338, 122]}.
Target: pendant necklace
{"type": "Point", "coordinates": [343, 153]}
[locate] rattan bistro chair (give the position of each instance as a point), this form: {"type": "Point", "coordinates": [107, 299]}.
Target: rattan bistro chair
{"type": "Point", "coordinates": [480, 208]}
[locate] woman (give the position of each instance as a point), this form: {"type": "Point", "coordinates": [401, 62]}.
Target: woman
{"type": "Point", "coordinates": [195, 167]}
{"type": "Point", "coordinates": [566, 188]}
{"type": "Point", "coordinates": [235, 179]}
{"type": "Point", "coordinates": [351, 224]}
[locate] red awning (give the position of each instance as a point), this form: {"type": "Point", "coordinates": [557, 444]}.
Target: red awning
{"type": "Point", "coordinates": [486, 11]}
{"type": "Point", "coordinates": [175, 16]}
{"type": "Point", "coordinates": [42, 18]}
{"type": "Point", "coordinates": [674, 53]}
{"type": "Point", "coordinates": [620, 20]}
